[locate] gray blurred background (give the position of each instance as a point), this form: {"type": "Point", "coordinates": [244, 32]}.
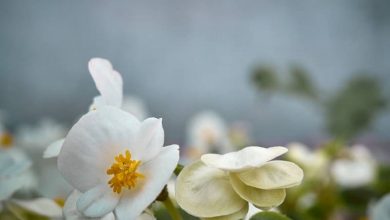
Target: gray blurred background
{"type": "Point", "coordinates": [182, 57]}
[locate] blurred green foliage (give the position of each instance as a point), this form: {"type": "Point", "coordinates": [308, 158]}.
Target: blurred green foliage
{"type": "Point", "coordinates": [347, 112]}
{"type": "Point", "coordinates": [300, 83]}
{"type": "Point", "coordinates": [265, 78]}
{"type": "Point", "coordinates": [354, 107]}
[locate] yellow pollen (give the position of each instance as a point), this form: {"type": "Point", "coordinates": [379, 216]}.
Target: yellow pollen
{"type": "Point", "coordinates": [124, 171]}
{"type": "Point", "coordinates": [6, 140]}
{"type": "Point", "coordinates": [60, 201]}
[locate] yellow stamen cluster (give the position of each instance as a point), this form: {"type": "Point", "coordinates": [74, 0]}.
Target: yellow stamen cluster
{"type": "Point", "coordinates": [60, 201]}
{"type": "Point", "coordinates": [6, 140]}
{"type": "Point", "coordinates": [125, 172]}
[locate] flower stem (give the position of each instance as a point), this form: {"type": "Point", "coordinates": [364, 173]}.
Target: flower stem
{"type": "Point", "coordinates": [173, 212]}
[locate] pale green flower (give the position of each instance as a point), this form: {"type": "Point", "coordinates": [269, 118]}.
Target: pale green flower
{"type": "Point", "coordinates": [222, 185]}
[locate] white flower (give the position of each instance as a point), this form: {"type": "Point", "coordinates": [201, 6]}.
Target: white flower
{"type": "Point", "coordinates": [357, 170]}
{"type": "Point", "coordinates": [117, 162]}
{"type": "Point", "coordinates": [222, 185]}
{"type": "Point", "coordinates": [14, 172]}
{"type": "Point", "coordinates": [33, 140]}
{"type": "Point", "coordinates": [16, 175]}
{"type": "Point", "coordinates": [207, 132]}
{"type": "Point", "coordinates": [36, 138]}
{"type": "Point", "coordinates": [314, 162]}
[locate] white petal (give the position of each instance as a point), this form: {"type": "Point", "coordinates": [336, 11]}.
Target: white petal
{"type": "Point", "coordinates": [150, 138]}
{"type": "Point", "coordinates": [237, 215]}
{"type": "Point", "coordinates": [109, 216]}
{"type": "Point", "coordinates": [41, 206]}
{"type": "Point", "coordinates": [157, 173]}
{"type": "Point", "coordinates": [98, 201]}
{"type": "Point", "coordinates": [71, 213]}
{"type": "Point", "coordinates": [107, 80]}
{"type": "Point", "coordinates": [53, 149]}
{"type": "Point", "coordinates": [205, 191]}
{"type": "Point", "coordinates": [249, 157]}
{"type": "Point", "coordinates": [98, 102]}
{"type": "Point", "coordinates": [259, 197]}
{"type": "Point", "coordinates": [275, 174]}
{"type": "Point", "coordinates": [146, 216]}
{"type": "Point", "coordinates": [92, 144]}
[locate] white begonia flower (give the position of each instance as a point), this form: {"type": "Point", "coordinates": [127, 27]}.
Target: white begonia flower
{"type": "Point", "coordinates": [117, 162]}
{"type": "Point", "coordinates": [207, 132]}
{"type": "Point", "coordinates": [357, 170]}
{"type": "Point", "coordinates": [36, 138]}
{"type": "Point", "coordinates": [33, 140]}
{"type": "Point", "coordinates": [14, 172]}
{"type": "Point", "coordinates": [222, 185]}
{"type": "Point", "coordinates": [314, 162]}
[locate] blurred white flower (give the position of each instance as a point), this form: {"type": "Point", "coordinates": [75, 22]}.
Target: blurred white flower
{"type": "Point", "coordinates": [307, 200]}
{"type": "Point", "coordinates": [117, 162]}
{"type": "Point", "coordinates": [16, 175]}
{"type": "Point", "coordinates": [314, 162]}
{"type": "Point", "coordinates": [223, 185]}
{"type": "Point", "coordinates": [42, 206]}
{"type": "Point", "coordinates": [33, 140]}
{"type": "Point", "coordinates": [357, 169]}
{"type": "Point", "coordinates": [36, 138]}
{"type": "Point", "coordinates": [14, 172]}
{"type": "Point", "coordinates": [207, 132]}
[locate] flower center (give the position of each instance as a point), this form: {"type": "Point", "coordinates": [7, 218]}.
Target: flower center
{"type": "Point", "coordinates": [60, 201]}
{"type": "Point", "coordinates": [6, 140]}
{"type": "Point", "coordinates": [124, 171]}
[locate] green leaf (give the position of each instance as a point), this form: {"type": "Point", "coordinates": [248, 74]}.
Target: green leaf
{"type": "Point", "coordinates": [265, 78]}
{"type": "Point", "coordinates": [269, 216]}
{"type": "Point", "coordinates": [354, 108]}
{"type": "Point", "coordinates": [300, 83]}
